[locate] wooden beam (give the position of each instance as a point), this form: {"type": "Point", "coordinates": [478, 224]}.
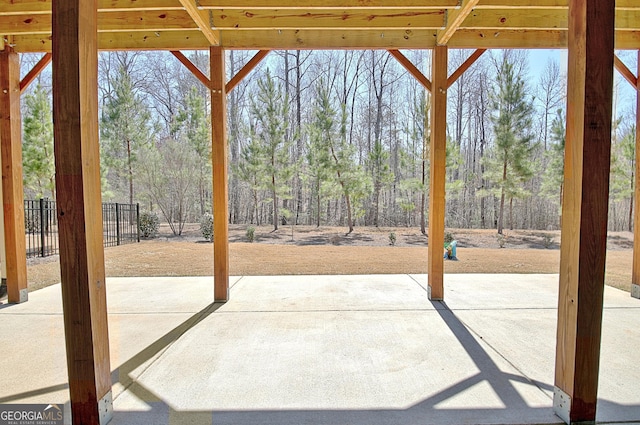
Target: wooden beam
{"type": "Point", "coordinates": [212, 35]}
{"type": "Point", "coordinates": [635, 272]}
{"type": "Point", "coordinates": [219, 158]}
{"type": "Point", "coordinates": [411, 68]}
{"type": "Point", "coordinates": [249, 66]}
{"type": "Point", "coordinates": [437, 172]}
{"type": "Point", "coordinates": [455, 18]}
{"type": "Point", "coordinates": [79, 209]}
{"type": "Point", "coordinates": [584, 208]}
{"type": "Point", "coordinates": [35, 71]}
{"type": "Point", "coordinates": [463, 68]}
{"type": "Point", "coordinates": [12, 191]}
{"type": "Point", "coordinates": [192, 67]}
{"type": "Point", "coordinates": [625, 71]}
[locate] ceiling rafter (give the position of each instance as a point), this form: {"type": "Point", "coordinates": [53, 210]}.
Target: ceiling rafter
{"type": "Point", "coordinates": [315, 24]}
{"type": "Point", "coordinates": [212, 35]}
{"type": "Point", "coordinates": [455, 18]}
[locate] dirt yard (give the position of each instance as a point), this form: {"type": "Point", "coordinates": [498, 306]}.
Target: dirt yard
{"type": "Point", "coordinates": [327, 250]}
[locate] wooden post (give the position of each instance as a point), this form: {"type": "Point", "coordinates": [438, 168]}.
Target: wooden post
{"type": "Point", "coordinates": [77, 160]}
{"type": "Point", "coordinates": [635, 273]}
{"type": "Point", "coordinates": [220, 185]}
{"type": "Point", "coordinates": [584, 208]}
{"type": "Point", "coordinates": [438, 161]}
{"type": "Point", "coordinates": [12, 191]}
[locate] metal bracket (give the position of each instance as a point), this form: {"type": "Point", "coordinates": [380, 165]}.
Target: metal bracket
{"type": "Point", "coordinates": [562, 405]}
{"type": "Point", "coordinates": [24, 295]}
{"type": "Point", "coordinates": [105, 408]}
{"type": "Point", "coordinates": [635, 290]}
{"type": "Point", "coordinates": [429, 294]}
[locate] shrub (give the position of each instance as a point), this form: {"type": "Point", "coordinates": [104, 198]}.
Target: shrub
{"type": "Point", "coordinates": [502, 240]}
{"type": "Point", "coordinates": [448, 238]}
{"type": "Point", "coordinates": [206, 226]}
{"type": "Point", "coordinates": [31, 224]}
{"type": "Point", "coordinates": [547, 240]}
{"type": "Point", "coordinates": [251, 234]}
{"type": "Point", "coordinates": [392, 239]}
{"type": "Point", "coordinates": [149, 224]}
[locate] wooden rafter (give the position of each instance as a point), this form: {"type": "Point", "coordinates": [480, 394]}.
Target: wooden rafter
{"type": "Point", "coordinates": [625, 71]}
{"type": "Point", "coordinates": [411, 68]}
{"type": "Point", "coordinates": [192, 67]}
{"type": "Point", "coordinates": [249, 66]}
{"type": "Point", "coordinates": [462, 68]}
{"type": "Point", "coordinates": [212, 35]}
{"type": "Point", "coordinates": [35, 71]}
{"type": "Point", "coordinates": [455, 18]}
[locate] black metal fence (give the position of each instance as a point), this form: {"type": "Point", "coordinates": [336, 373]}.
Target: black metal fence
{"type": "Point", "coordinates": [120, 225]}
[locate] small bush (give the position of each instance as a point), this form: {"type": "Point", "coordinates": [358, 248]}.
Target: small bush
{"type": "Point", "coordinates": [502, 240]}
{"type": "Point", "coordinates": [392, 239]}
{"type": "Point", "coordinates": [149, 224]}
{"type": "Point", "coordinates": [335, 239]}
{"type": "Point", "coordinates": [31, 224]}
{"type": "Point", "coordinates": [547, 240]}
{"type": "Point", "coordinates": [251, 234]}
{"type": "Point", "coordinates": [448, 238]}
{"type": "Point", "coordinates": [206, 226]}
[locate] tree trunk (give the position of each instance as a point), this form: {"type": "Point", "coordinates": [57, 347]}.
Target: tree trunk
{"type": "Point", "coordinates": [422, 200]}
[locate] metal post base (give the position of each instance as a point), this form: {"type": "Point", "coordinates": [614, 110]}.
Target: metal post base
{"type": "Point", "coordinates": [635, 290]}
{"type": "Point", "coordinates": [105, 408]}
{"type": "Point", "coordinates": [429, 294]}
{"type": "Point", "coordinates": [562, 405]}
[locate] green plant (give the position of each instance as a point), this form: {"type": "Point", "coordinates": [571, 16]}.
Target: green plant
{"type": "Point", "coordinates": [251, 234]}
{"type": "Point", "coordinates": [392, 238]}
{"type": "Point", "coordinates": [206, 226]}
{"type": "Point", "coordinates": [149, 224]}
{"type": "Point", "coordinates": [448, 238]}
{"type": "Point", "coordinates": [502, 240]}
{"type": "Point", "coordinates": [547, 240]}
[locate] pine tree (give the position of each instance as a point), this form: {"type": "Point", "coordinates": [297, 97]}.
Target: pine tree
{"type": "Point", "coordinates": [125, 129]}
{"type": "Point", "coordinates": [37, 148]}
{"type": "Point", "coordinates": [553, 178]}
{"type": "Point", "coordinates": [250, 169]}
{"type": "Point", "coordinates": [192, 125]}
{"type": "Point", "coordinates": [354, 182]}
{"type": "Point", "coordinates": [269, 111]}
{"type": "Point", "coordinates": [510, 164]}
{"type": "Point", "coordinates": [319, 161]}
{"type": "Point", "coordinates": [623, 165]}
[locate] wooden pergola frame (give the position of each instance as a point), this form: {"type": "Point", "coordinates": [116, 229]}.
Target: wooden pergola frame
{"type": "Point", "coordinates": [72, 31]}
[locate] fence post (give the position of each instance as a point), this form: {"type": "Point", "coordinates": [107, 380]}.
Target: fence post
{"type": "Point", "coordinates": [138, 219]}
{"type": "Point", "coordinates": [117, 223]}
{"type": "Point", "coordinates": [41, 227]}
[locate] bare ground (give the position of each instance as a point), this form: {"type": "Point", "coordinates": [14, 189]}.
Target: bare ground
{"type": "Point", "coordinates": [327, 250]}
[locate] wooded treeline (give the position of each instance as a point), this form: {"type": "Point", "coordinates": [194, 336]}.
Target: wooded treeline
{"type": "Point", "coordinates": [332, 138]}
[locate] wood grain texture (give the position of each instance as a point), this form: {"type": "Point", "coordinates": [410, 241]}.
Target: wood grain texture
{"type": "Point", "coordinates": [635, 271]}
{"type": "Point", "coordinates": [437, 172]}
{"type": "Point", "coordinates": [411, 68]}
{"type": "Point", "coordinates": [12, 191]}
{"type": "Point", "coordinates": [77, 158]}
{"type": "Point", "coordinates": [219, 154]}
{"type": "Point", "coordinates": [455, 18]}
{"type": "Point", "coordinates": [201, 19]}
{"type": "Point", "coordinates": [585, 203]}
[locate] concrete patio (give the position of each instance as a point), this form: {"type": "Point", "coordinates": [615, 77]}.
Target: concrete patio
{"type": "Point", "coordinates": [360, 350]}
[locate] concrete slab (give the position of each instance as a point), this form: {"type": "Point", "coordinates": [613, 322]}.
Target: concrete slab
{"type": "Point", "coordinates": [334, 293]}
{"type": "Point", "coordinates": [325, 350]}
